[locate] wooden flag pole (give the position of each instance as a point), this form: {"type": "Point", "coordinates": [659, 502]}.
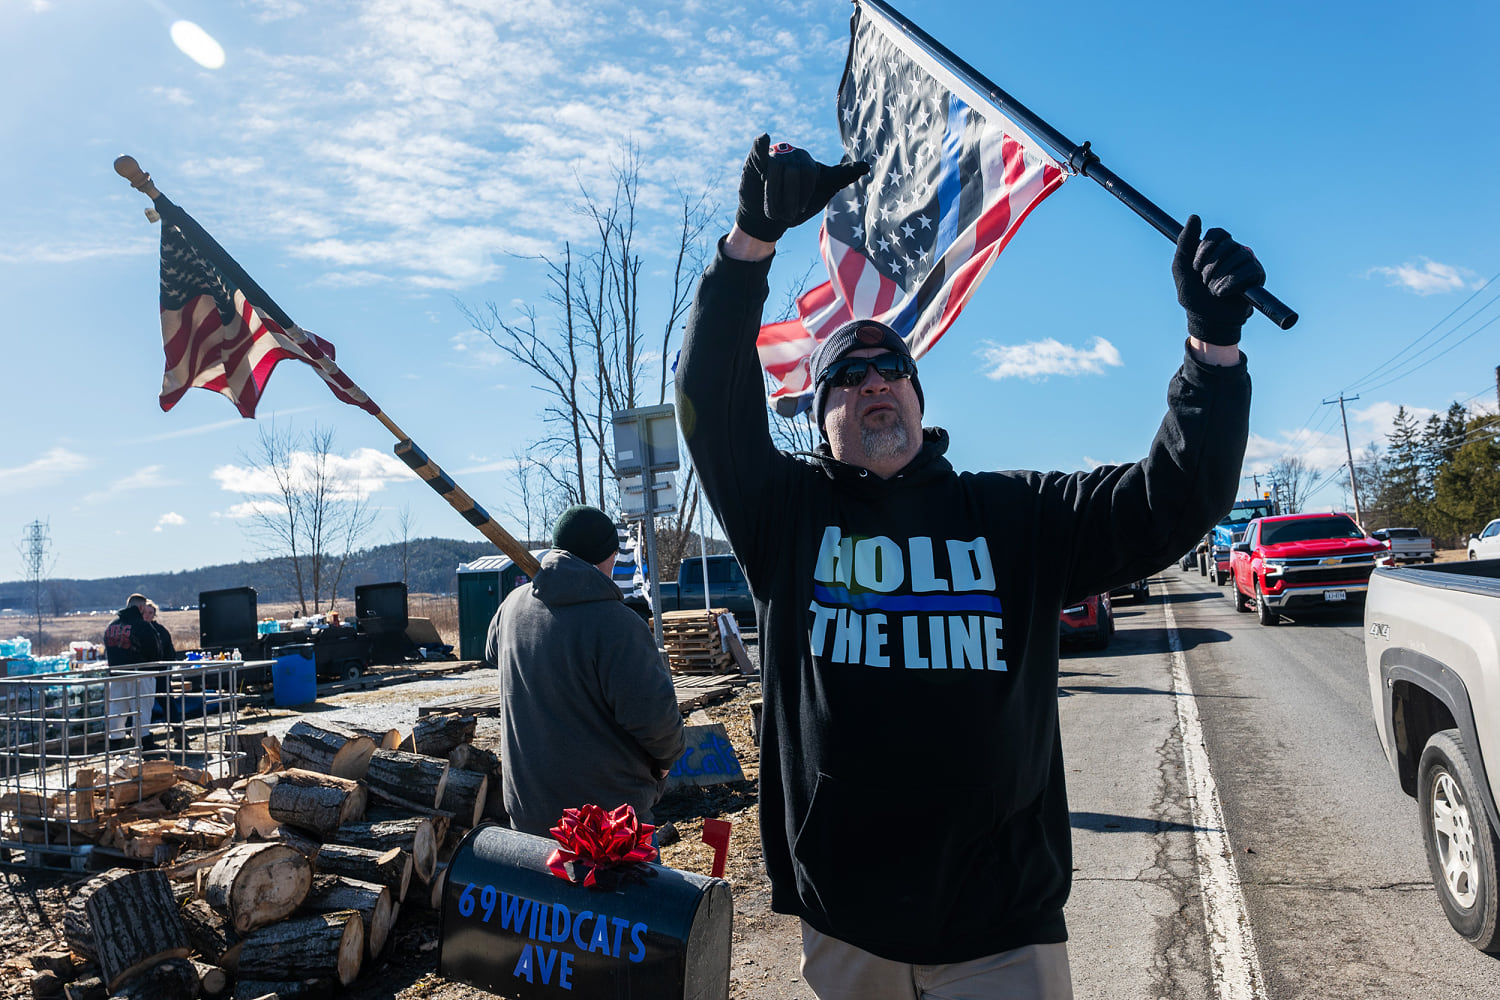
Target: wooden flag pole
{"type": "Point", "coordinates": [405, 449]}
{"type": "Point", "coordinates": [1080, 158]}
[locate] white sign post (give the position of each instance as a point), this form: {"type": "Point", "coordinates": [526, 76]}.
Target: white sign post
{"type": "Point", "coordinates": [645, 454]}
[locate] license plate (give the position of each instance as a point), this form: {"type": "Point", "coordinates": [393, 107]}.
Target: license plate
{"type": "Point", "coordinates": [1335, 595]}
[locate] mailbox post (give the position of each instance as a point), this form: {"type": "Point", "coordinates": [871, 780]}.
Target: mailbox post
{"type": "Point", "coordinates": [645, 455]}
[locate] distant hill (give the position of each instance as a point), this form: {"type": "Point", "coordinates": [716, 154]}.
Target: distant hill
{"type": "Point", "coordinates": [432, 565]}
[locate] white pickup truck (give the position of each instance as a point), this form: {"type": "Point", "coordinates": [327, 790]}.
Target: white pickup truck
{"type": "Point", "coordinates": [1432, 651]}
{"type": "Point", "coordinates": [1406, 545]}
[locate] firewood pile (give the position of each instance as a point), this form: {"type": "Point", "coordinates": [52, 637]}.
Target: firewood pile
{"type": "Point", "coordinates": [696, 642]}
{"type": "Point", "coordinates": [284, 882]}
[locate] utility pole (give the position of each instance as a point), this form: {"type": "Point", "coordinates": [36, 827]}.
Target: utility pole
{"type": "Point", "coordinates": [34, 557]}
{"type": "Point", "coordinates": [1349, 452]}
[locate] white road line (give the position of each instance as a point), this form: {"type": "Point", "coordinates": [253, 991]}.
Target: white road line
{"type": "Point", "coordinates": [1231, 945]}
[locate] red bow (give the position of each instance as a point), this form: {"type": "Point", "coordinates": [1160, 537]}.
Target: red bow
{"type": "Point", "coordinates": [598, 840]}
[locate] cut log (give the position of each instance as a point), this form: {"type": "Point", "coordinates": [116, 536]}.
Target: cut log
{"type": "Point", "coordinates": [258, 884]}
{"type": "Point", "coordinates": [437, 734]}
{"type": "Point", "coordinates": [187, 867]}
{"type": "Point", "coordinates": [299, 842]}
{"type": "Point", "coordinates": [428, 895]}
{"type": "Point", "coordinates": [328, 748]}
{"type": "Point", "coordinates": [45, 984]}
{"type": "Point", "coordinates": [464, 795]}
{"type": "Point", "coordinates": [254, 817]}
{"type": "Point", "coordinates": [391, 868]}
{"type": "Point", "coordinates": [416, 834]}
{"type": "Point", "coordinates": [77, 931]}
{"type": "Point", "coordinates": [258, 788]}
{"type": "Point", "coordinates": [472, 758]}
{"type": "Point", "coordinates": [137, 781]}
{"type": "Point", "coordinates": [91, 988]}
{"type": "Point", "coordinates": [248, 750]}
{"type": "Point", "coordinates": [214, 981]}
{"type": "Point", "coordinates": [181, 795]}
{"type": "Point", "coordinates": [318, 945]}
{"type": "Point", "coordinates": [173, 979]}
{"type": "Point", "coordinates": [211, 934]}
{"type": "Point", "coordinates": [135, 925]}
{"type": "Point", "coordinates": [407, 778]}
{"type": "Point", "coordinates": [319, 803]}
{"type": "Point", "coordinates": [374, 902]}
{"type": "Point", "coordinates": [385, 739]}
{"type": "Point", "coordinates": [59, 962]}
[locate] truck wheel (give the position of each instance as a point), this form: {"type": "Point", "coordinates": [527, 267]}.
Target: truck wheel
{"type": "Point", "coordinates": [1268, 615]}
{"type": "Point", "coordinates": [1241, 602]}
{"type": "Point", "coordinates": [1106, 630]}
{"type": "Point", "coordinates": [349, 670]}
{"type": "Point", "coordinates": [1219, 578]}
{"type": "Point", "coordinates": [1202, 564]}
{"type": "Point", "coordinates": [1461, 846]}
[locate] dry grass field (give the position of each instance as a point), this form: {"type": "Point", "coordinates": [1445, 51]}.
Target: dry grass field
{"type": "Point", "coordinates": [59, 632]}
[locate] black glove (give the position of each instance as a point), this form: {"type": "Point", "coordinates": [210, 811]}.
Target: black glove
{"type": "Point", "coordinates": [785, 187]}
{"type": "Point", "coordinates": [1212, 275]}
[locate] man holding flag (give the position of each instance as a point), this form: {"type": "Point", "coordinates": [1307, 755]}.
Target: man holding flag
{"type": "Point", "coordinates": [913, 807]}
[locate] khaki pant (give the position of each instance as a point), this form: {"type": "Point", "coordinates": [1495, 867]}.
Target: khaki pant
{"type": "Point", "coordinates": [839, 971]}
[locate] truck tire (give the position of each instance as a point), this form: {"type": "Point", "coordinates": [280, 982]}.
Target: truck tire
{"type": "Point", "coordinates": [1241, 602]}
{"type": "Point", "coordinates": [1219, 578]}
{"type": "Point", "coordinates": [1461, 845]}
{"type": "Point", "coordinates": [1202, 564]}
{"type": "Point", "coordinates": [349, 670]}
{"type": "Point", "coordinates": [1106, 631]}
{"type": "Point", "coordinates": [1267, 614]}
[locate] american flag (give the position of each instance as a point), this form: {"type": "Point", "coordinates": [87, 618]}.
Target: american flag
{"type": "Point", "coordinates": [217, 339]}
{"type": "Point", "coordinates": [951, 181]}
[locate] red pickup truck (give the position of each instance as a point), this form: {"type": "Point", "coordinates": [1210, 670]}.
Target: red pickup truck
{"type": "Point", "coordinates": [1301, 561]}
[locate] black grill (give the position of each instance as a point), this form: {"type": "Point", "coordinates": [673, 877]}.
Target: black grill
{"type": "Point", "coordinates": [1327, 574]}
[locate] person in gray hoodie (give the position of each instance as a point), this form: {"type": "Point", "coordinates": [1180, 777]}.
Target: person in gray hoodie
{"type": "Point", "coordinates": [588, 710]}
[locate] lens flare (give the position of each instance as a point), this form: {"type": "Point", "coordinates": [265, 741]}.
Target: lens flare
{"type": "Point", "coordinates": [197, 44]}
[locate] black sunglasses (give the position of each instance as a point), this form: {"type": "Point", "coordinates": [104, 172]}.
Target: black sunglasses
{"type": "Point", "coordinates": [849, 372]}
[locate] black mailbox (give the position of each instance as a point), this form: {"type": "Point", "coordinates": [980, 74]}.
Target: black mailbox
{"type": "Point", "coordinates": [510, 926]}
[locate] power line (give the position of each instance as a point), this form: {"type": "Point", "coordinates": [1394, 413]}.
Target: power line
{"type": "Point", "coordinates": [1359, 382]}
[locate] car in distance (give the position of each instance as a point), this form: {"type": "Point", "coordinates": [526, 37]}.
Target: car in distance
{"type": "Point", "coordinates": [1090, 623]}
{"type": "Point", "coordinates": [1231, 529]}
{"type": "Point", "coordinates": [1138, 590]}
{"type": "Point", "coordinates": [1486, 544]}
{"type": "Point", "coordinates": [1406, 545]}
{"type": "Point", "coordinates": [1301, 561]}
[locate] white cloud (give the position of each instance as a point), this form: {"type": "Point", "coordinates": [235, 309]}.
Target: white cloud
{"type": "Point", "coordinates": [44, 470]}
{"type": "Point", "coordinates": [432, 139]}
{"type": "Point", "coordinates": [358, 474]}
{"type": "Point", "coordinates": [146, 478]}
{"type": "Point", "coordinates": [169, 519]}
{"type": "Point", "coordinates": [1379, 418]}
{"type": "Point", "coordinates": [1427, 277]}
{"type": "Point", "coordinates": [1042, 358]}
{"type": "Point", "coordinates": [1323, 451]}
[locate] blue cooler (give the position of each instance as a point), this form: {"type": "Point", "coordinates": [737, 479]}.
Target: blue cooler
{"type": "Point", "coordinates": [294, 675]}
{"type": "Point", "coordinates": [512, 927]}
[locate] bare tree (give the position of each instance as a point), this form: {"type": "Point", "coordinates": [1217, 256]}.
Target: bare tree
{"type": "Point", "coordinates": [589, 357]}
{"type": "Point", "coordinates": [313, 516]}
{"type": "Point", "coordinates": [1296, 480]}
{"type": "Point", "coordinates": [403, 539]}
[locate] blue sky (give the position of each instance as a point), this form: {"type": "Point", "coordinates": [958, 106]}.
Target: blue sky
{"type": "Point", "coordinates": [369, 161]}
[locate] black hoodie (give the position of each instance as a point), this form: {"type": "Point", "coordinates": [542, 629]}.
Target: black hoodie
{"type": "Point", "coordinates": [911, 784]}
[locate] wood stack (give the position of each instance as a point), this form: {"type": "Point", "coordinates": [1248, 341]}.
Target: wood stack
{"type": "Point", "coordinates": [301, 878]}
{"type": "Point", "coordinates": [694, 644]}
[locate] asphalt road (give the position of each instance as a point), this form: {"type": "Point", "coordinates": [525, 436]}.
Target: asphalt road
{"type": "Point", "coordinates": [1328, 895]}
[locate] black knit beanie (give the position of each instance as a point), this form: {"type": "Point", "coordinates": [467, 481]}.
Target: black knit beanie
{"type": "Point", "coordinates": [853, 336]}
{"type": "Point", "coordinates": [587, 532]}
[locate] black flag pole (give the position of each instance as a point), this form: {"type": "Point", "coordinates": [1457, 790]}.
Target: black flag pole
{"type": "Point", "coordinates": [428, 470]}
{"type": "Point", "coordinates": [1080, 158]}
